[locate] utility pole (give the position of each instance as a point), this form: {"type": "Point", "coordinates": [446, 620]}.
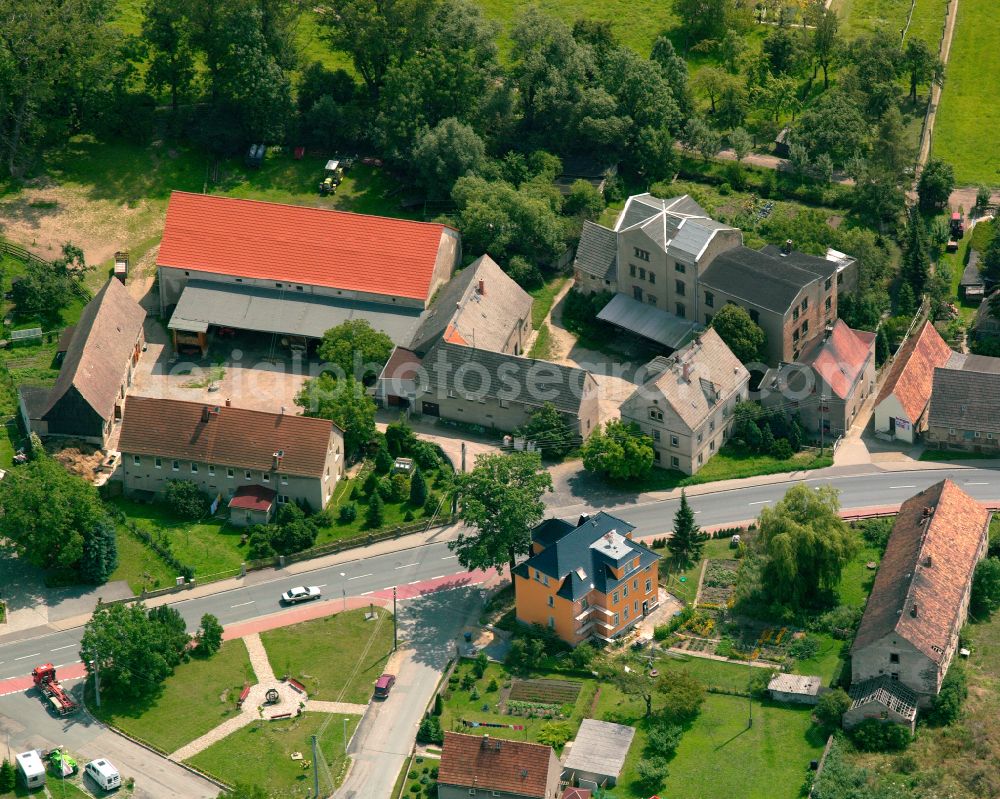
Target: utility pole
{"type": "Point", "coordinates": [463, 457]}
{"type": "Point", "coordinates": [343, 587]}
{"type": "Point", "coordinates": [97, 681]}
{"type": "Point", "coordinates": [822, 410]}
{"type": "Point", "coordinates": [395, 626]}
{"type": "Point", "coordinates": [345, 735]}
{"type": "Point", "coordinates": [749, 693]}
{"type": "Point", "coordinates": [315, 770]}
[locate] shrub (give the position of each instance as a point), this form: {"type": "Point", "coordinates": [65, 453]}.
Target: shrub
{"type": "Point", "coordinates": [348, 513]}
{"type": "Point", "coordinates": [416, 788]}
{"type": "Point", "coordinates": [804, 648]}
{"type": "Point", "coordinates": [425, 454]}
{"type": "Point", "coordinates": [554, 733]}
{"type": "Point", "coordinates": [209, 636]}
{"type": "Point", "coordinates": [356, 491]}
{"type": "Point", "coordinates": [839, 622]}
{"type": "Point", "coordinates": [782, 450]}
{"type": "Point", "coordinates": [371, 483]}
{"type": "Point", "coordinates": [474, 693]}
{"type": "Point", "coordinates": [831, 707]}
{"type": "Point", "coordinates": [480, 664]}
{"type": "Point", "coordinates": [758, 682]}
{"type": "Point", "coordinates": [413, 774]}
{"type": "Point", "coordinates": [408, 516]}
{"type": "Point", "coordinates": [7, 776]}
{"type": "Point", "coordinates": [185, 499]}
{"type": "Point", "coordinates": [259, 542]}
{"type": "Point", "coordinates": [492, 686]}
{"type": "Point", "coordinates": [682, 695]}
{"type": "Point", "coordinates": [383, 461]}
{"type": "Point", "coordinates": [375, 515]}
{"type": "Point", "coordinates": [438, 705]}
{"type": "Point", "coordinates": [946, 707]}
{"type": "Point", "coordinates": [399, 438]}
{"type": "Point", "coordinates": [468, 680]}
{"type": "Point", "coordinates": [418, 489]}
{"type": "Point", "coordinates": [875, 532]}
{"type": "Point", "coordinates": [872, 735]}
{"type": "Point", "coordinates": [430, 731]}
{"type": "Point", "coordinates": [663, 738]}
{"type": "Point", "coordinates": [661, 632]}
{"type": "Point", "coordinates": [399, 488]}
{"type": "Point", "coordinates": [582, 656]}
{"type": "Point", "coordinates": [651, 773]}
{"type": "Point", "coordinates": [431, 505]}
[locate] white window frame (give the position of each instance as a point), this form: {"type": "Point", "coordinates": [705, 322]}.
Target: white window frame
{"type": "Point", "coordinates": [265, 477]}
{"type": "Point", "coordinates": [194, 468]}
{"type": "Point", "coordinates": [211, 470]}
{"type": "Point", "coordinates": [158, 463]}
{"type": "Point", "coordinates": [136, 460]}
{"type": "Point", "coordinates": [247, 474]}
{"type": "Point", "coordinates": [231, 474]}
{"type": "Point", "coordinates": [175, 466]}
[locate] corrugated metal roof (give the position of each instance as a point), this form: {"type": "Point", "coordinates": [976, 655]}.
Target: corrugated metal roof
{"type": "Point", "coordinates": [600, 747]}
{"type": "Point", "coordinates": [205, 303]}
{"type": "Point", "coordinates": [648, 321]}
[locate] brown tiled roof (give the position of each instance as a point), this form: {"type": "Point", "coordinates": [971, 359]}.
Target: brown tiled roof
{"type": "Point", "coordinates": [840, 358]}
{"type": "Point", "coordinates": [253, 497]}
{"type": "Point", "coordinates": [226, 436]}
{"type": "Point", "coordinates": [489, 764]}
{"type": "Point", "coordinates": [101, 345]}
{"type": "Point", "coordinates": [927, 566]}
{"type": "Point", "coordinates": [912, 374]}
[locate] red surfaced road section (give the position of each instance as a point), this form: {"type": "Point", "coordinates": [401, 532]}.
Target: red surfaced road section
{"type": "Point", "coordinates": [14, 685]}
{"type": "Point", "coordinates": [329, 607]}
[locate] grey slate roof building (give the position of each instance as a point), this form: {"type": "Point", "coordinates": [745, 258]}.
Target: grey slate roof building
{"type": "Point", "coordinates": [482, 307]}
{"type": "Point", "coordinates": [583, 556]}
{"type": "Point", "coordinates": [597, 253]}
{"type": "Point", "coordinates": [759, 278]}
{"type": "Point", "coordinates": [96, 369]}
{"type": "Point", "coordinates": [963, 406]}
{"type": "Point", "coordinates": [972, 284]}
{"type": "Point", "coordinates": [471, 373]}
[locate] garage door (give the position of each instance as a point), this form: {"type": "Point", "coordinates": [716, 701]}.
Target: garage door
{"type": "Point", "coordinates": [431, 409]}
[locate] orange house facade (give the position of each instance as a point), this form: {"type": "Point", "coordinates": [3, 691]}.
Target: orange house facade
{"type": "Point", "coordinates": [588, 580]}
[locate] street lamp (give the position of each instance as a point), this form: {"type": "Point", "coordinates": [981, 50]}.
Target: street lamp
{"type": "Point", "coordinates": [343, 587]}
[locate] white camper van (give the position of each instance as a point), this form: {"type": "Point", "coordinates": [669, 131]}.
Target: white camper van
{"type": "Point", "coordinates": [104, 774]}
{"type": "Point", "coordinates": [30, 769]}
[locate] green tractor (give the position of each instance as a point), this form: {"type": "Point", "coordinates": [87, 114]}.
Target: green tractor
{"type": "Point", "coordinates": [333, 175]}
{"type": "Point", "coordinates": [63, 763]}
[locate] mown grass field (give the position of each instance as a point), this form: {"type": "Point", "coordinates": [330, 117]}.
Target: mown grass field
{"type": "Point", "coordinates": [198, 696]}
{"type": "Point", "coordinates": [260, 754]}
{"type": "Point", "coordinates": [337, 658]}
{"type": "Point", "coordinates": [858, 17]}
{"type": "Point", "coordinates": [965, 133]}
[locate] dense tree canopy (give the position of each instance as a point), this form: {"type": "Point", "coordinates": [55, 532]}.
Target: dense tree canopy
{"type": "Point", "coordinates": [805, 545]}
{"type": "Point", "coordinates": [502, 499]}
{"type": "Point", "coordinates": [619, 451]}
{"type": "Point", "coordinates": [742, 335]}
{"type": "Point", "coordinates": [356, 349]}
{"type": "Point", "coordinates": [346, 403]}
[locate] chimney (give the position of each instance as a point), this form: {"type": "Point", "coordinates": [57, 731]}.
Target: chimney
{"type": "Point", "coordinates": [282, 410]}
{"type": "Point", "coordinates": [229, 402]}
{"type": "Point", "coordinates": [584, 517]}
{"type": "Point", "coordinates": [486, 741]}
{"type": "Point", "coordinates": [928, 562]}
{"type": "Point", "coordinates": [827, 332]}
{"type": "Point", "coordinates": [278, 458]}
{"type": "Point", "coordinates": [928, 511]}
{"type": "Point", "coordinates": [482, 287]}
{"type": "Point", "coordinates": [786, 248]}
{"type": "Point", "coordinates": [204, 413]}
{"type": "Point", "coordinates": [686, 371]}
{"type": "Point", "coordinates": [913, 610]}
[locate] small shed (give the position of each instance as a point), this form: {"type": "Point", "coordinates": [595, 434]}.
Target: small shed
{"type": "Point", "coordinates": [598, 753]}
{"type": "Point", "coordinates": [121, 265]}
{"type": "Point", "coordinates": [781, 142]}
{"type": "Point", "coordinates": [797, 688]}
{"type": "Point", "coordinates": [250, 505]}
{"type": "Point", "coordinates": [972, 286]}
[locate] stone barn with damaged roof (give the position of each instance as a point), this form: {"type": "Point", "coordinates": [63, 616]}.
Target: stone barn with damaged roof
{"type": "Point", "coordinates": [920, 599]}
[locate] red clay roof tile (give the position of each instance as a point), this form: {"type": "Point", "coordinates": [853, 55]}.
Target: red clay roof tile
{"type": "Point", "coordinates": [912, 374]}
{"type": "Point", "coordinates": [841, 357]}
{"type": "Point", "coordinates": [298, 244]}
{"type": "Point", "coordinates": [490, 764]}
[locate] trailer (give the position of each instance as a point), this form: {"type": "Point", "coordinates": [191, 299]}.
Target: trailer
{"type": "Point", "coordinates": [30, 769]}
{"type": "Point", "coordinates": [957, 225]}
{"type": "Point", "coordinates": [45, 680]}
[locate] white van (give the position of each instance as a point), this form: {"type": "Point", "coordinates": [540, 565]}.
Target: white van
{"type": "Point", "coordinates": [30, 769]}
{"type": "Point", "coordinates": [104, 774]}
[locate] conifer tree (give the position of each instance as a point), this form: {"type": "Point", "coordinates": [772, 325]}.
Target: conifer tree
{"type": "Point", "coordinates": [686, 543]}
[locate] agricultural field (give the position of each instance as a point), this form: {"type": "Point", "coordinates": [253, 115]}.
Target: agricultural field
{"type": "Point", "coordinates": [969, 115]}
{"type": "Point", "coordinates": [858, 17]}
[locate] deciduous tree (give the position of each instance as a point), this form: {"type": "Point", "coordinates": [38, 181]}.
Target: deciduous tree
{"type": "Point", "coordinates": [740, 333]}
{"type": "Point", "coordinates": [805, 545]}
{"type": "Point", "coordinates": [356, 348]}
{"type": "Point", "coordinates": [502, 499]}
{"type": "Point", "coordinates": [445, 153]}
{"type": "Point", "coordinates": [346, 403]}
{"type": "Point", "coordinates": [921, 64]}
{"type": "Point", "coordinates": [619, 451]}
{"type": "Point", "coordinates": [986, 588]}
{"type": "Point", "coordinates": [209, 636]}
{"type": "Point", "coordinates": [683, 696]}
{"type": "Point", "coordinates": [937, 180]}
{"type": "Point", "coordinates": [547, 427]}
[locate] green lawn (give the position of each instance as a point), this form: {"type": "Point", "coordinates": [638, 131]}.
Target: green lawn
{"type": "Point", "coordinates": [200, 695]}
{"type": "Point", "coordinates": [969, 116]}
{"type": "Point", "coordinates": [856, 578]}
{"type": "Point", "coordinates": [829, 660]}
{"type": "Point", "coordinates": [954, 455]}
{"type": "Point", "coordinates": [542, 348]}
{"type": "Point", "coordinates": [209, 547]}
{"type": "Point", "coordinates": [719, 756]}
{"type": "Point", "coordinates": [260, 754]}
{"type": "Point", "coordinates": [337, 658]}
{"type": "Point", "coordinates": [544, 297]}
{"type": "Point", "coordinates": [139, 565]}
{"type": "Point", "coordinates": [927, 22]}
{"type": "Point", "coordinates": [731, 463]}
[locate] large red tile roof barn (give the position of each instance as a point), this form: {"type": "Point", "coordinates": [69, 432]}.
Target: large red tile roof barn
{"type": "Point", "coordinates": [912, 374]}
{"type": "Point", "coordinates": [298, 244]}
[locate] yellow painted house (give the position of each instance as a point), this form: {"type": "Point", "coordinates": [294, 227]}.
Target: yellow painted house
{"type": "Point", "coordinates": [586, 580]}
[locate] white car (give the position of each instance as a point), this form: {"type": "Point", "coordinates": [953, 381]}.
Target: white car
{"type": "Point", "coordinates": [300, 594]}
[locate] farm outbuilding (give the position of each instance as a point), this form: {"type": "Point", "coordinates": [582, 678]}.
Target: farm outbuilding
{"type": "Point", "coordinates": [796, 688]}
{"type": "Point", "coordinates": [598, 754]}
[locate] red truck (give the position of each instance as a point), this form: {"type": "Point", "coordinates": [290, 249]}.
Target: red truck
{"type": "Point", "coordinates": [46, 682]}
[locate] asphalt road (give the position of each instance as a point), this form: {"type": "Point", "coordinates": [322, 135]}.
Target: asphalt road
{"type": "Point", "coordinates": [434, 560]}
{"type": "Point", "coordinates": [255, 599]}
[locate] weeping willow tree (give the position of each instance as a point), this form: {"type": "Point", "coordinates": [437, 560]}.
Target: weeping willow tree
{"type": "Point", "coordinates": [805, 545]}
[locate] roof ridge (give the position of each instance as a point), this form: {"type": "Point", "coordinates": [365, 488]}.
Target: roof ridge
{"type": "Point", "coordinates": [255, 201]}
